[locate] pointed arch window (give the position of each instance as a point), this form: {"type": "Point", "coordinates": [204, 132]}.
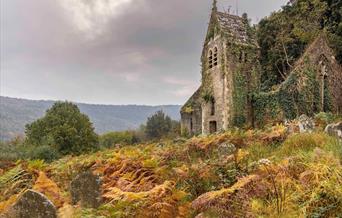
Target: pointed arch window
{"type": "Point", "coordinates": [215, 59]}
{"type": "Point", "coordinates": [210, 59]}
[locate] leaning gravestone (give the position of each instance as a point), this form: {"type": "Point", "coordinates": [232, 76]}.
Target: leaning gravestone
{"type": "Point", "coordinates": [33, 204]}
{"type": "Point", "coordinates": [335, 129]}
{"type": "Point", "coordinates": [306, 124]}
{"type": "Point", "coordinates": [86, 189]}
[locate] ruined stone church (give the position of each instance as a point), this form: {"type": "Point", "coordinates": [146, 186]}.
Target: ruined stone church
{"type": "Point", "coordinates": [230, 51]}
{"type": "Point", "coordinates": [231, 77]}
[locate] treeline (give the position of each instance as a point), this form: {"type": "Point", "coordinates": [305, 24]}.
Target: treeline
{"type": "Point", "coordinates": [64, 130]}
{"type": "Point", "coordinates": [15, 113]}
{"type": "Point", "coordinates": [284, 35]}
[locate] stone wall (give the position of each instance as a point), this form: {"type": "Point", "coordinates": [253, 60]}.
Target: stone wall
{"type": "Point", "coordinates": [214, 80]}
{"type": "Point", "coordinates": [314, 85]}
{"type": "Point", "coordinates": [191, 123]}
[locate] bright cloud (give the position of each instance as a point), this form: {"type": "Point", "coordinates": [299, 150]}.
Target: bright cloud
{"type": "Point", "coordinates": [92, 16]}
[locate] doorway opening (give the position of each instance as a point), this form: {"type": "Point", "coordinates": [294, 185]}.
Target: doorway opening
{"type": "Point", "coordinates": [212, 127]}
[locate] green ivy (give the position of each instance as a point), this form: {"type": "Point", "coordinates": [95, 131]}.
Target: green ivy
{"type": "Point", "coordinates": [298, 94]}
{"type": "Point", "coordinates": [239, 99]}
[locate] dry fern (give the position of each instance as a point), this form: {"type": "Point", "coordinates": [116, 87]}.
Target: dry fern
{"type": "Point", "coordinates": [49, 188]}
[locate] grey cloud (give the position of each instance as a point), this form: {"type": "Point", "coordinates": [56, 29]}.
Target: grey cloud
{"type": "Point", "coordinates": [148, 53]}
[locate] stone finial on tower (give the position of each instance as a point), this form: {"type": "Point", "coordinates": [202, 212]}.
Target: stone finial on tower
{"type": "Point", "coordinates": [215, 5]}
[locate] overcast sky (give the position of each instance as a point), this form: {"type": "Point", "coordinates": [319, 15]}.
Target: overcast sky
{"type": "Point", "coordinates": [108, 51]}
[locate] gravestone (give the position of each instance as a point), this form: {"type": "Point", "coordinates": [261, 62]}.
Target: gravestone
{"type": "Point", "coordinates": [226, 148]}
{"type": "Point", "coordinates": [32, 204]}
{"type": "Point", "coordinates": [306, 124]}
{"type": "Point", "coordinates": [86, 189]}
{"type": "Point", "coordinates": [335, 129]}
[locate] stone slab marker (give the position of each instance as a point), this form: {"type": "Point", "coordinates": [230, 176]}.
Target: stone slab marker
{"type": "Point", "coordinates": [86, 189]}
{"type": "Point", "coordinates": [32, 204]}
{"type": "Point", "coordinates": [334, 129]}
{"type": "Point", "coordinates": [306, 124]}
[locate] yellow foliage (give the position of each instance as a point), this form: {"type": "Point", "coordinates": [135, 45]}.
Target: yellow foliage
{"type": "Point", "coordinates": [256, 206]}
{"type": "Point", "coordinates": [160, 191]}
{"type": "Point", "coordinates": [184, 210]}
{"type": "Point", "coordinates": [188, 109]}
{"type": "Point", "coordinates": [67, 211]}
{"type": "Point", "coordinates": [150, 163]}
{"type": "Point", "coordinates": [182, 171]}
{"type": "Point", "coordinates": [304, 141]}
{"type": "Point", "coordinates": [157, 202]}
{"type": "Point", "coordinates": [34, 165]}
{"type": "Point", "coordinates": [49, 188]}
{"type": "Point", "coordinates": [140, 181]}
{"type": "Point", "coordinates": [241, 155]}
{"type": "Point", "coordinates": [217, 198]}
{"type": "Point", "coordinates": [5, 205]}
{"type": "Point", "coordinates": [276, 133]}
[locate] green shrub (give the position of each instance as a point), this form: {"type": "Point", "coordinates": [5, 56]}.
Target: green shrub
{"type": "Point", "coordinates": [304, 142]}
{"type": "Point", "coordinates": [64, 127]}
{"type": "Point", "coordinates": [12, 150]}
{"type": "Point", "coordinates": [160, 125]}
{"type": "Point", "coordinates": [111, 139]}
{"type": "Point", "coordinates": [45, 152]}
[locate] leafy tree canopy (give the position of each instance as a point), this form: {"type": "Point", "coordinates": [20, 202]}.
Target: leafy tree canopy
{"type": "Point", "coordinates": [158, 125]}
{"type": "Point", "coordinates": [65, 128]}
{"type": "Point", "coordinates": [284, 35]}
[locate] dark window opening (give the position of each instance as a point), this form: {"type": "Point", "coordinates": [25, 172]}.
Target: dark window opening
{"type": "Point", "coordinates": [245, 58]}
{"type": "Point", "coordinates": [215, 57]}
{"type": "Point", "coordinates": [212, 109]}
{"type": "Point", "coordinates": [212, 127]}
{"type": "Point", "coordinates": [191, 125]}
{"type": "Point", "coordinates": [210, 59]}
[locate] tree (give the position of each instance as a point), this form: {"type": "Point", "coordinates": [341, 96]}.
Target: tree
{"type": "Point", "coordinates": [65, 128]}
{"type": "Point", "coordinates": [284, 35]}
{"type": "Point", "coordinates": [158, 125]}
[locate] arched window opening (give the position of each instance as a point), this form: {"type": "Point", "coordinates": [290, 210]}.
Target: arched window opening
{"type": "Point", "coordinates": [215, 56]}
{"type": "Point", "coordinates": [210, 59]}
{"type": "Point", "coordinates": [212, 107]}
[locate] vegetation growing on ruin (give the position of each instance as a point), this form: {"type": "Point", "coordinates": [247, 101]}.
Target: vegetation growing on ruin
{"type": "Point", "coordinates": [264, 172]}
{"type": "Point", "coordinates": [298, 94]}
{"type": "Point", "coordinates": [284, 35]}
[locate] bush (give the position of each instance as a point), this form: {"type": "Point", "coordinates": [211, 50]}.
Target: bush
{"type": "Point", "coordinates": [305, 142]}
{"type": "Point", "coordinates": [12, 150]}
{"type": "Point", "coordinates": [123, 138]}
{"type": "Point", "coordinates": [45, 152]}
{"type": "Point", "coordinates": [65, 128]}
{"type": "Point", "coordinates": [160, 125]}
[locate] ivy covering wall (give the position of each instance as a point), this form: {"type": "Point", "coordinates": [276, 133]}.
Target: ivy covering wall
{"type": "Point", "coordinates": [245, 82]}
{"type": "Point", "coordinates": [299, 94]}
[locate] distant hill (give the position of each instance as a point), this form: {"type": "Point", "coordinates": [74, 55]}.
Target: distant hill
{"type": "Point", "coordinates": [16, 113]}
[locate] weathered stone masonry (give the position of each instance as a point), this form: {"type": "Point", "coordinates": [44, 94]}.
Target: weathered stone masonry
{"type": "Point", "coordinates": [229, 94]}
{"type": "Point", "coordinates": [229, 75]}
